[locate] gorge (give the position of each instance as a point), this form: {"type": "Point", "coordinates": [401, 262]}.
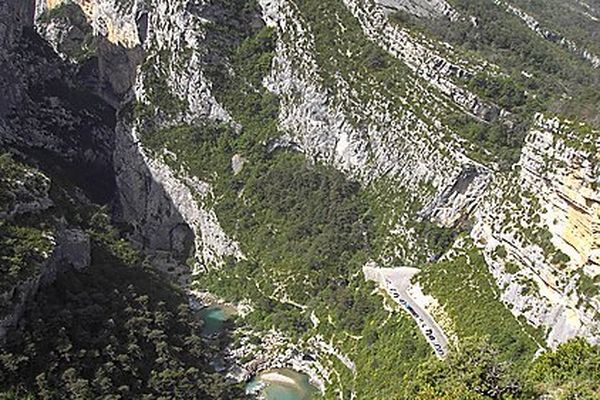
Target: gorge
{"type": "Point", "coordinates": [194, 192]}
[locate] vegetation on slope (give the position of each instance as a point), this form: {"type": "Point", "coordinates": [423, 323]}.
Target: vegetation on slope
{"type": "Point", "coordinates": [570, 372]}
{"type": "Point", "coordinates": [552, 77]}
{"type": "Point", "coordinates": [23, 249]}
{"type": "Point", "coordinates": [24, 243]}
{"type": "Point", "coordinates": [475, 372]}
{"type": "Point", "coordinates": [463, 283]}
{"type": "Point", "coordinates": [303, 226]}
{"type": "Point", "coordinates": [80, 44]}
{"type": "Point", "coordinates": [112, 331]}
{"type": "Point", "coordinates": [575, 21]}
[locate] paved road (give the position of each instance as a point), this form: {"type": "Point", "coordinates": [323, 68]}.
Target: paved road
{"type": "Point", "coordinates": [396, 281]}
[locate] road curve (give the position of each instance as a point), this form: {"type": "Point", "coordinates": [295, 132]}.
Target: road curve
{"type": "Point", "coordinates": [396, 281]}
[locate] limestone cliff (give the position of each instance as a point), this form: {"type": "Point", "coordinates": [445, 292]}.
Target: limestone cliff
{"type": "Point", "coordinates": [319, 111]}
{"type": "Point", "coordinates": [424, 8]}
{"type": "Point", "coordinates": [539, 229]}
{"type": "Point", "coordinates": [107, 18]}
{"type": "Point", "coordinates": [162, 206]}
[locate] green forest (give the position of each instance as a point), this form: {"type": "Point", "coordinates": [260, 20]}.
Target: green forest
{"type": "Point", "coordinates": [115, 330]}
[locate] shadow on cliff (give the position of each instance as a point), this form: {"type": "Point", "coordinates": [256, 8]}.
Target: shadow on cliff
{"type": "Point", "coordinates": [56, 125]}
{"type": "Point", "coordinates": [65, 122]}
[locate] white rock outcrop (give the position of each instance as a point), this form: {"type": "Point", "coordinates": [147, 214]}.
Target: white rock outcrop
{"type": "Point", "coordinates": [549, 209]}
{"type": "Point", "coordinates": [421, 8]}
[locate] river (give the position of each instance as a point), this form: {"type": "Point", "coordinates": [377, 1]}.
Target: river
{"type": "Point", "coordinates": [275, 384]}
{"type": "Point", "coordinates": [213, 318]}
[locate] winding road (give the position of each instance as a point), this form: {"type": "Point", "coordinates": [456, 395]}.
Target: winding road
{"type": "Point", "coordinates": [396, 282]}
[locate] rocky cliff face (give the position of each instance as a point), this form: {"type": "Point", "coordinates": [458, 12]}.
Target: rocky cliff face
{"type": "Point", "coordinates": [563, 155]}
{"type": "Point", "coordinates": [45, 122]}
{"type": "Point", "coordinates": [539, 229]}
{"type": "Point", "coordinates": [425, 8]}
{"type": "Point", "coordinates": [173, 56]}
{"type": "Point", "coordinates": [162, 206]}
{"type": "Point", "coordinates": [107, 18]}
{"type": "Point", "coordinates": [157, 203]}
{"type": "Point", "coordinates": [320, 121]}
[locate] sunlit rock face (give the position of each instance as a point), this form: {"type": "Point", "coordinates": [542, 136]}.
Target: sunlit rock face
{"type": "Point", "coordinates": [165, 207]}
{"type": "Point", "coordinates": [568, 182]}
{"type": "Point", "coordinates": [539, 229]}
{"type": "Point", "coordinates": [116, 23]}
{"type": "Point", "coordinates": [421, 8]}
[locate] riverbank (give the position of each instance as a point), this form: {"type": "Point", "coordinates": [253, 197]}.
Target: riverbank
{"type": "Point", "coordinates": [278, 377]}
{"type": "Point", "coordinates": [200, 299]}
{"type": "Point", "coordinates": [282, 384]}
{"type": "Point", "coordinates": [252, 353]}
{"type": "Point", "coordinates": [272, 351]}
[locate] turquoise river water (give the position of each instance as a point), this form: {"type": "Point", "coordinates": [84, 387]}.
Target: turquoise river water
{"type": "Point", "coordinates": [277, 384]}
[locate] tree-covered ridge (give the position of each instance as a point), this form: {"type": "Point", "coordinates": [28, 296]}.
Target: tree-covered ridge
{"type": "Point", "coordinates": [116, 330]}
{"type": "Point", "coordinates": [475, 372]}
{"type": "Point", "coordinates": [576, 21]}
{"type": "Point", "coordinates": [25, 243]}
{"type": "Point", "coordinates": [570, 372]}
{"type": "Point", "coordinates": [538, 75]}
